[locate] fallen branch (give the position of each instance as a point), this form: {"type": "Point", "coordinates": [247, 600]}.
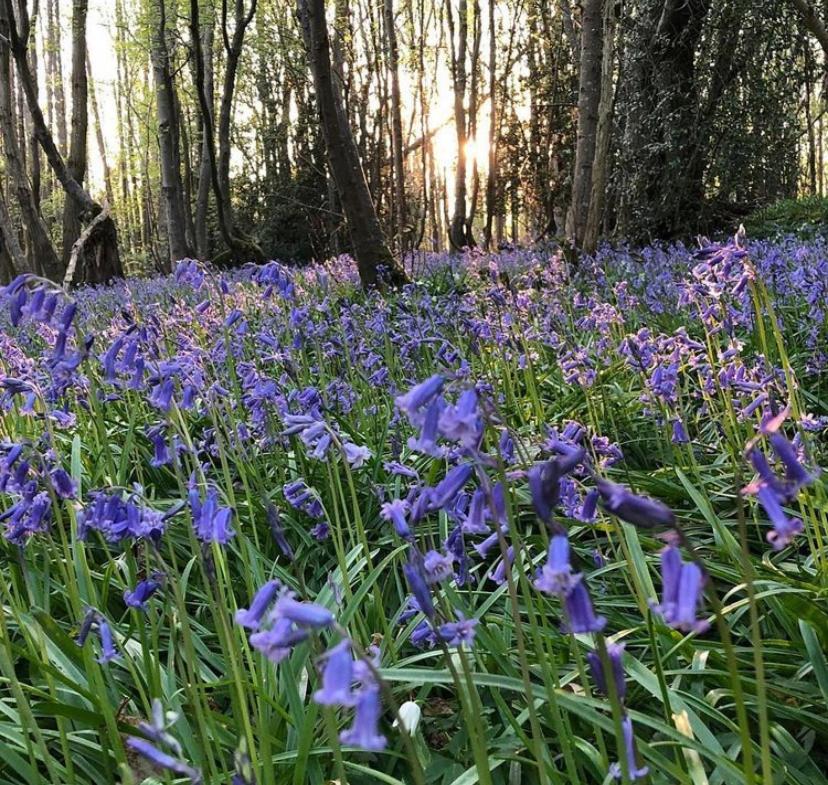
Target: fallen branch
{"type": "Point", "coordinates": [79, 244]}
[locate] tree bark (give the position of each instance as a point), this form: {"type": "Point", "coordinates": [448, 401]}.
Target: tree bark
{"type": "Point", "coordinates": [589, 96]}
{"type": "Point", "coordinates": [203, 193]}
{"type": "Point", "coordinates": [601, 162]}
{"type": "Point", "coordinates": [102, 260]}
{"type": "Point", "coordinates": [457, 231]}
{"type": "Point", "coordinates": [401, 211]}
{"type": "Point", "coordinates": [368, 241]}
{"type": "Point", "coordinates": [42, 257]}
{"type": "Point", "coordinates": [240, 247]}
{"type": "Point", "coordinates": [76, 162]}
{"type": "Point", "coordinates": [99, 137]}
{"type": "Point", "coordinates": [168, 138]}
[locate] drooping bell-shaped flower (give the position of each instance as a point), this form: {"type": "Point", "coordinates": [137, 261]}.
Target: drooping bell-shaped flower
{"type": "Point", "coordinates": [682, 590]}
{"type": "Point", "coordinates": [615, 652]}
{"type": "Point", "coordinates": [337, 677]}
{"type": "Point", "coordinates": [251, 617]}
{"type": "Point", "coordinates": [580, 615]}
{"type": "Point", "coordinates": [556, 576]}
{"type": "Point", "coordinates": [364, 733]}
{"type": "Point", "coordinates": [634, 772]}
{"type": "Point", "coordinates": [637, 510]}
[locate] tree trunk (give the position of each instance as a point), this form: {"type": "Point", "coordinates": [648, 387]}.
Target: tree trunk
{"type": "Point", "coordinates": [401, 212]}
{"type": "Point", "coordinates": [99, 137]}
{"type": "Point", "coordinates": [102, 260]}
{"type": "Point", "coordinates": [369, 244]}
{"type": "Point", "coordinates": [168, 139]}
{"type": "Point", "coordinates": [589, 95]}
{"type": "Point", "coordinates": [42, 257]}
{"type": "Point", "coordinates": [60, 93]}
{"type": "Point", "coordinates": [457, 231]}
{"type": "Point", "coordinates": [76, 162]}
{"type": "Point", "coordinates": [240, 247]}
{"type": "Point", "coordinates": [203, 194]}
{"type": "Point", "coordinates": [494, 120]}
{"type": "Point", "coordinates": [601, 162]}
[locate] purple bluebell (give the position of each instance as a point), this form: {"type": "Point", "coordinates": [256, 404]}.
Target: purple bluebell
{"type": "Point", "coordinates": [356, 455]}
{"type": "Point", "coordinates": [303, 614]}
{"type": "Point", "coordinates": [364, 733]}
{"type": "Point", "coordinates": [251, 617]}
{"type": "Point", "coordinates": [108, 650]}
{"type": "Point", "coordinates": [395, 511]}
{"type": "Point", "coordinates": [63, 484]}
{"type": "Point", "coordinates": [475, 520]}
{"type": "Point", "coordinates": [137, 597]}
{"type": "Point", "coordinates": [545, 488]}
{"type": "Point", "coordinates": [785, 528]}
{"type": "Point", "coordinates": [637, 510]}
{"type": "Point", "coordinates": [445, 492]}
{"type": "Point", "coordinates": [277, 641]}
{"type": "Point", "coordinates": [164, 760]}
{"type": "Point", "coordinates": [556, 576]}
{"type": "Point", "coordinates": [278, 531]}
{"type": "Point", "coordinates": [437, 566]}
{"type": "Point", "coordinates": [458, 633]}
{"type": "Point", "coordinates": [615, 652]}
{"type": "Point", "coordinates": [634, 771]}
{"type": "Point", "coordinates": [580, 616]}
{"type": "Point", "coordinates": [796, 475]}
{"type": "Point", "coordinates": [419, 396]}
{"type": "Point", "coordinates": [681, 593]}
{"type": "Point", "coordinates": [426, 442]}
{"type": "Point", "coordinates": [413, 572]}
{"type": "Point", "coordinates": [462, 422]}
{"type": "Point", "coordinates": [211, 521]}
{"type": "Point", "coordinates": [337, 677]}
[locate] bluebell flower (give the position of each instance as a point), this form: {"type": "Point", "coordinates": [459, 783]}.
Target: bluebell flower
{"type": "Point", "coordinates": [637, 510]}
{"type": "Point", "coordinates": [278, 531]}
{"type": "Point", "coordinates": [681, 593]}
{"type": "Point", "coordinates": [475, 520]}
{"type": "Point", "coordinates": [419, 396]}
{"type": "Point", "coordinates": [545, 488]}
{"type": "Point", "coordinates": [356, 455]}
{"type": "Point", "coordinates": [556, 576]}
{"type": "Point", "coordinates": [437, 567]}
{"type": "Point", "coordinates": [796, 474]}
{"type": "Point", "coordinates": [426, 442]}
{"type": "Point", "coordinates": [634, 772]}
{"type": "Point", "coordinates": [785, 528]}
{"type": "Point", "coordinates": [108, 651]}
{"type": "Point", "coordinates": [413, 572]}
{"type": "Point", "coordinates": [447, 489]}
{"type": "Point", "coordinates": [63, 484]}
{"type": "Point", "coordinates": [262, 600]}
{"type": "Point", "coordinates": [163, 760]}
{"type": "Point", "coordinates": [679, 432]}
{"type": "Point", "coordinates": [303, 614]}
{"type": "Point", "coordinates": [580, 615]}
{"type": "Point", "coordinates": [458, 633]}
{"type": "Point", "coordinates": [337, 677]}
{"type": "Point", "coordinates": [395, 511]}
{"type": "Point", "coordinates": [615, 652]}
{"type": "Point", "coordinates": [277, 641]}
{"type": "Point", "coordinates": [137, 597]}
{"type": "Point", "coordinates": [462, 422]}
{"type": "Point", "coordinates": [211, 521]}
{"type": "Point", "coordinates": [364, 733]}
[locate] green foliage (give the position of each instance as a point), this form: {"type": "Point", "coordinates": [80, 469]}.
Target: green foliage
{"type": "Point", "coordinates": [805, 218]}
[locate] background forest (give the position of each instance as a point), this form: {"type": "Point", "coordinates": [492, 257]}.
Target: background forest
{"type": "Point", "coordinates": [477, 122]}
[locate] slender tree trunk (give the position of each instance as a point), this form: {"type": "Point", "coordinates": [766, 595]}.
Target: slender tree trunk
{"type": "Point", "coordinates": [203, 195]}
{"type": "Point", "coordinates": [172, 187]}
{"type": "Point", "coordinates": [239, 246]}
{"type": "Point", "coordinates": [99, 137]}
{"type": "Point", "coordinates": [369, 243]}
{"type": "Point", "coordinates": [401, 211]}
{"type": "Point", "coordinates": [60, 92]}
{"type": "Point", "coordinates": [589, 95]}
{"type": "Point", "coordinates": [601, 162]}
{"type": "Point", "coordinates": [15, 261]}
{"type": "Point", "coordinates": [457, 232]}
{"type": "Point", "coordinates": [76, 162]}
{"type": "Point", "coordinates": [102, 260]}
{"type": "Point", "coordinates": [494, 120]}
{"type": "Point", "coordinates": [41, 257]}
